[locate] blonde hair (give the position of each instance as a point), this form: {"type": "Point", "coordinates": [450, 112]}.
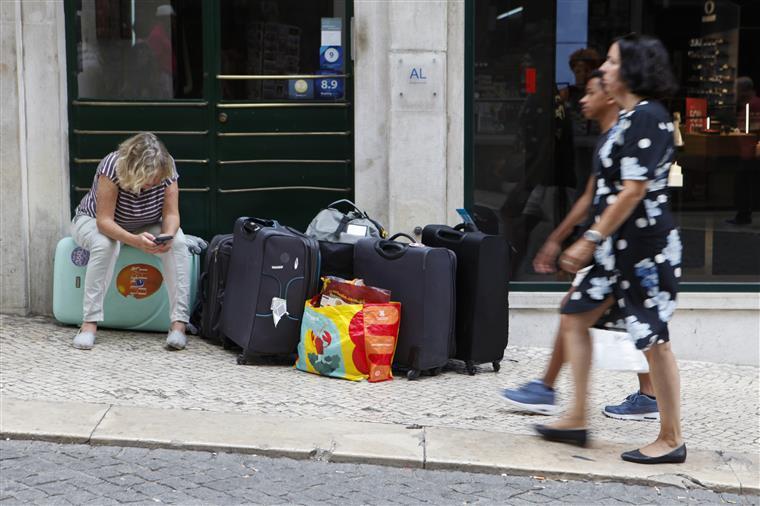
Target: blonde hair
{"type": "Point", "coordinates": [142, 159]}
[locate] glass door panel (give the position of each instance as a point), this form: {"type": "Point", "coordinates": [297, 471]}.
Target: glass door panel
{"type": "Point", "coordinates": [146, 49]}
{"type": "Point", "coordinates": [284, 137]}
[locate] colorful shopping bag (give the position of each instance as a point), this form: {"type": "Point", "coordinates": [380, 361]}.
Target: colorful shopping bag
{"type": "Point", "coordinates": [381, 324]}
{"type": "Point", "coordinates": [334, 340]}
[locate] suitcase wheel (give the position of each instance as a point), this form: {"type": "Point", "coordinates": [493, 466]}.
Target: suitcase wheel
{"type": "Point", "coordinates": [241, 360]}
{"type": "Point", "coordinates": [471, 368]}
{"type": "Point", "coordinates": [434, 372]}
{"type": "Point", "coordinates": [496, 366]}
{"type": "Point", "coordinates": [412, 374]}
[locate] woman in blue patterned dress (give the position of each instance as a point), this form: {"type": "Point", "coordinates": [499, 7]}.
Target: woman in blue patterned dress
{"type": "Point", "coordinates": [634, 246]}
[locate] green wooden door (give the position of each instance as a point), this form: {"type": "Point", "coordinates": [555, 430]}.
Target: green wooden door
{"type": "Point", "coordinates": [230, 89]}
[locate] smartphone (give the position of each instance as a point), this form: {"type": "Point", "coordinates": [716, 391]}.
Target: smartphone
{"type": "Point", "coordinates": [161, 239]}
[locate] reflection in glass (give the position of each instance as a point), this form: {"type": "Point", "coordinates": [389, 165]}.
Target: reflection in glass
{"type": "Point", "coordinates": [524, 160]}
{"type": "Point", "coordinates": [533, 148]}
{"type": "Point", "coordinates": [139, 49]}
{"type": "Point", "coordinates": [281, 37]}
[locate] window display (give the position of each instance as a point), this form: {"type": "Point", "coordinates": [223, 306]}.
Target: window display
{"type": "Point", "coordinates": [532, 145]}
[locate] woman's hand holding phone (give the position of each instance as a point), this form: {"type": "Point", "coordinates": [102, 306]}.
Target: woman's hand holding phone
{"type": "Point", "coordinates": [146, 242]}
{"type": "Point", "coordinates": [163, 243]}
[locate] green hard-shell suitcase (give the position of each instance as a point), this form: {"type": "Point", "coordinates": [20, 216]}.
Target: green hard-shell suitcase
{"type": "Point", "coordinates": [136, 298]}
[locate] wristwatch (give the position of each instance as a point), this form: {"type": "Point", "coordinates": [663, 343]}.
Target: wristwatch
{"type": "Point", "coordinates": [593, 236]}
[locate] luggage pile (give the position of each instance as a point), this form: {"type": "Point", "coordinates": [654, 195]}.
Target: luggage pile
{"type": "Point", "coordinates": [384, 302]}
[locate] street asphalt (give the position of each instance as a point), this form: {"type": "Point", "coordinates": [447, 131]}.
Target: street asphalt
{"type": "Point", "coordinates": [33, 472]}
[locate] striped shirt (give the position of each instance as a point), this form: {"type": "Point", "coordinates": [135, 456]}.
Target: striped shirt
{"type": "Point", "coordinates": [132, 210]}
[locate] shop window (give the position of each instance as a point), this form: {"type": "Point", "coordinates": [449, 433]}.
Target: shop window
{"type": "Point", "coordinates": [286, 38]}
{"type": "Point", "coordinates": [139, 49]}
{"type": "Point", "coordinates": [532, 146]}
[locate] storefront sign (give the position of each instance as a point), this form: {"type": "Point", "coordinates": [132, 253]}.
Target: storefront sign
{"type": "Point", "coordinates": [331, 31]}
{"type": "Point", "coordinates": [331, 58]}
{"type": "Point", "coordinates": [709, 12]}
{"type": "Point", "coordinates": [418, 81]}
{"type": "Point", "coordinates": [300, 88]}
{"type": "Point", "coordinates": [417, 75]}
{"type": "Point", "coordinates": [329, 87]}
{"type": "Point", "coordinates": [696, 114]}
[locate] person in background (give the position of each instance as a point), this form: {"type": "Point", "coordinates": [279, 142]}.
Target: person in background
{"type": "Point", "coordinates": [746, 179]}
{"type": "Point", "coordinates": [545, 190]}
{"type": "Point", "coordinates": [633, 247]}
{"type": "Point", "coordinates": [538, 396]}
{"type": "Point", "coordinates": [583, 62]}
{"type": "Point", "coordinates": [134, 200]}
{"type": "Point", "coordinates": [159, 41]}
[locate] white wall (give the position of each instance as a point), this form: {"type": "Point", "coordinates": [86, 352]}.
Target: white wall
{"type": "Point", "coordinates": [35, 202]}
{"type": "Point", "coordinates": [713, 327]}
{"type": "Point", "coordinates": [409, 135]}
{"type": "Point", "coordinates": [14, 292]}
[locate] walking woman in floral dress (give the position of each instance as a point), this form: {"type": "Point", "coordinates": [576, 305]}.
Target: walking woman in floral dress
{"type": "Point", "coordinates": [634, 246]}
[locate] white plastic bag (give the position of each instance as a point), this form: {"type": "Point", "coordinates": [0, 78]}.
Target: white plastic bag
{"type": "Point", "coordinates": [615, 351]}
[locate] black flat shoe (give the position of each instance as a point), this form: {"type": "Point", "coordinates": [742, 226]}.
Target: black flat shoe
{"type": "Point", "coordinates": [677, 456]}
{"type": "Point", "coordinates": [571, 436]}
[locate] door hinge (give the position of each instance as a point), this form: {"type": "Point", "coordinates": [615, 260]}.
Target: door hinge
{"type": "Point", "coordinates": [353, 38]}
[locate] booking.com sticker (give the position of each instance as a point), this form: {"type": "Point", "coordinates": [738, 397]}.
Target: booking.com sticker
{"type": "Point", "coordinates": [139, 281]}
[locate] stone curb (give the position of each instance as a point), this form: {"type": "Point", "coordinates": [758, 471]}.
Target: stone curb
{"type": "Point", "coordinates": [364, 442]}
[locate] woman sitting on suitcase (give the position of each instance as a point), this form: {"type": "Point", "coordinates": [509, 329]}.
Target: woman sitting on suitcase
{"type": "Point", "coordinates": [134, 200]}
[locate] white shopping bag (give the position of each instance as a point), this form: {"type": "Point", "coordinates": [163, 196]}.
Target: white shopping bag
{"type": "Point", "coordinates": [615, 351]}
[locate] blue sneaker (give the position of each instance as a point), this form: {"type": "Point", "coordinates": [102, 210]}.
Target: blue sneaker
{"type": "Point", "coordinates": [635, 407]}
{"type": "Point", "coordinates": [534, 397]}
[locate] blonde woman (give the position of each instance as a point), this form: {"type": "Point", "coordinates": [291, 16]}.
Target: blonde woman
{"type": "Point", "coordinates": [134, 200]}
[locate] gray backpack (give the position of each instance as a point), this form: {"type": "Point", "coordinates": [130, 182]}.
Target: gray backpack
{"type": "Point", "coordinates": [333, 225]}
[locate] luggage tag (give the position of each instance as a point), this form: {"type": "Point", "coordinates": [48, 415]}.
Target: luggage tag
{"type": "Point", "coordinates": [357, 230]}
{"type": "Point", "coordinates": [279, 309]}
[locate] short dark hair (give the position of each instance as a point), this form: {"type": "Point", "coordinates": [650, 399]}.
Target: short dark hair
{"type": "Point", "coordinates": [595, 74]}
{"type": "Point", "coordinates": [645, 66]}
{"type": "Point", "coordinates": [588, 55]}
{"type": "Point", "coordinates": [744, 84]}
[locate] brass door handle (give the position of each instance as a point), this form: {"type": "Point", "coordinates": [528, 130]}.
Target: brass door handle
{"type": "Point", "coordinates": [223, 117]}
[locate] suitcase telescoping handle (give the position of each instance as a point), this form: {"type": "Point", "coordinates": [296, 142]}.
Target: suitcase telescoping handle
{"type": "Point", "coordinates": [348, 203]}
{"type": "Point", "coordinates": [467, 227]}
{"type": "Point", "coordinates": [252, 225]}
{"type": "Point", "coordinates": [449, 235]}
{"type": "Point", "coordinates": [401, 234]}
{"type": "Point", "coordinates": [391, 248]}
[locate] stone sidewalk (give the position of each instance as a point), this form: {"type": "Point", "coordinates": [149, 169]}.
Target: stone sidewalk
{"type": "Point", "coordinates": [720, 402]}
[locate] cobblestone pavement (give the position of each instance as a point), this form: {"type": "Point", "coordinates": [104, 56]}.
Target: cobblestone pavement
{"type": "Point", "coordinates": [47, 473]}
{"type": "Point", "coordinates": [720, 402]}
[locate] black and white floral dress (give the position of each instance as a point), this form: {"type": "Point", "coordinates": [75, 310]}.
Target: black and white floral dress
{"type": "Point", "coordinates": [640, 263]}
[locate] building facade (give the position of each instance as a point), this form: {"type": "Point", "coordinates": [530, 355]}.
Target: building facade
{"type": "Point", "coordinates": [413, 109]}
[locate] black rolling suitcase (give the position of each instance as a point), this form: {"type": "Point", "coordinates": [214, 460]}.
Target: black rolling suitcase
{"type": "Point", "coordinates": [423, 280]}
{"type": "Point", "coordinates": [273, 271]}
{"type": "Point", "coordinates": [482, 318]}
{"type": "Point", "coordinates": [212, 286]}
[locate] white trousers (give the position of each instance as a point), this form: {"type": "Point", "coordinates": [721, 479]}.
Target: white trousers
{"type": "Point", "coordinates": [103, 254]}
